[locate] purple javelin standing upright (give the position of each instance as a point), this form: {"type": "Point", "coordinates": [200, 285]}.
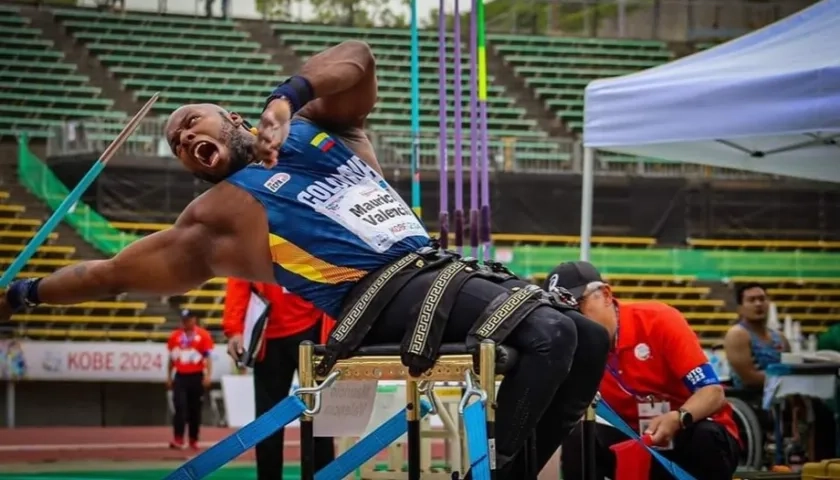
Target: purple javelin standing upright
{"type": "Point", "coordinates": [443, 218]}
{"type": "Point", "coordinates": [474, 138]}
{"type": "Point", "coordinates": [459, 136]}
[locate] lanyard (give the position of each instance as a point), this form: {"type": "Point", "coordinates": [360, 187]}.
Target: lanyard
{"type": "Point", "coordinates": [613, 367]}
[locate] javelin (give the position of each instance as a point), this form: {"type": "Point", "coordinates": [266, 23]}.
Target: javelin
{"type": "Point", "coordinates": [74, 195]}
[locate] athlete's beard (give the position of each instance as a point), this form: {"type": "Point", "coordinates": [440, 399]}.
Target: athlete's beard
{"type": "Point", "coordinates": [240, 150]}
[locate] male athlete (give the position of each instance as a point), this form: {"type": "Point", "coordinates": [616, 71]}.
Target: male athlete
{"type": "Point", "coordinates": [304, 204]}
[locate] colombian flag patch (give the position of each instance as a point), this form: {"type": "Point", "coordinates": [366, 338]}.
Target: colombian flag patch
{"type": "Point", "coordinates": [322, 142]}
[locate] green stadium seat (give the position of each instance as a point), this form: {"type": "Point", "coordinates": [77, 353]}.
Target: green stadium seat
{"type": "Point", "coordinates": [144, 50]}
{"type": "Point", "coordinates": [10, 53]}
{"type": "Point", "coordinates": [230, 46]}
{"type": "Point", "coordinates": [109, 26]}
{"type": "Point", "coordinates": [38, 88]}
{"type": "Point", "coordinates": [558, 69]}
{"type": "Point", "coordinates": [143, 18]}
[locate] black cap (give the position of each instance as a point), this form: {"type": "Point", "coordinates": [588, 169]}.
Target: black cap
{"type": "Point", "coordinates": [573, 276]}
{"type": "Point", "coordinates": [186, 313]}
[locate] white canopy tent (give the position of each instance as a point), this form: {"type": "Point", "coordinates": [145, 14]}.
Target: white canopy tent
{"type": "Point", "coordinates": [766, 102]}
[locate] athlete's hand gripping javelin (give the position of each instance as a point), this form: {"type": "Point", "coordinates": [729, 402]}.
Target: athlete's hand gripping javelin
{"type": "Point", "coordinates": [273, 131]}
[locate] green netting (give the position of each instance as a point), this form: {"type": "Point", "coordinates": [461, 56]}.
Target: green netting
{"type": "Point", "coordinates": [711, 265]}
{"type": "Point", "coordinates": [36, 177]}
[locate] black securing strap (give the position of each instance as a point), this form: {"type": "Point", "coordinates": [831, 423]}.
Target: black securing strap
{"type": "Point", "coordinates": [503, 314]}
{"type": "Point", "coordinates": [421, 344]}
{"type": "Point", "coordinates": [358, 317]}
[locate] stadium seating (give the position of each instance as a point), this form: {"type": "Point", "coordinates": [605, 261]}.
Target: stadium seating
{"type": "Point", "coordinates": [188, 59]}
{"type": "Point", "coordinates": [392, 116]}
{"type": "Point", "coordinates": [38, 88]}
{"type": "Point", "coordinates": [558, 68]}
{"type": "Point", "coordinates": [114, 319]}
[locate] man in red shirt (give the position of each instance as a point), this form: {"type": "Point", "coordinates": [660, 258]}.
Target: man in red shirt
{"type": "Point", "coordinates": [291, 321]}
{"type": "Point", "coordinates": [188, 375]}
{"type": "Point", "coordinates": [658, 379]}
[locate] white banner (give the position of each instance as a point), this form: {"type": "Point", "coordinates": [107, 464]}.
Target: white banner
{"type": "Point", "coordinates": [94, 361]}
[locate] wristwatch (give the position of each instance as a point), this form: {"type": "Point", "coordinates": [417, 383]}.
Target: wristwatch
{"type": "Point", "coordinates": [686, 418]}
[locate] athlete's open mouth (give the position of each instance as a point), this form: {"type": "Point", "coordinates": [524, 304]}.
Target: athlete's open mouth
{"type": "Point", "coordinates": [206, 153]}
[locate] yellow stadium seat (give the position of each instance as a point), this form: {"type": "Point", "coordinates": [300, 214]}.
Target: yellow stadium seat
{"type": "Point", "coordinates": [61, 249]}
{"type": "Point", "coordinates": [146, 227]}
{"type": "Point", "coordinates": [618, 277]}
{"type": "Point", "coordinates": [804, 292]}
{"type": "Point", "coordinates": [30, 234]}
{"type": "Point", "coordinates": [660, 290]}
{"type": "Point", "coordinates": [216, 281]}
{"type": "Point", "coordinates": [516, 238]}
{"type": "Point", "coordinates": [204, 307]}
{"type": "Point", "coordinates": [710, 328]}
{"type": "Point", "coordinates": [94, 334]}
{"type": "Point", "coordinates": [25, 222]}
{"type": "Point", "coordinates": [31, 274]}
{"type": "Point", "coordinates": [12, 208]}
{"type": "Point", "coordinates": [729, 316]}
{"type": "Point", "coordinates": [88, 319]}
{"type": "Point", "coordinates": [4, 195]}
{"type": "Point", "coordinates": [103, 305]}
{"type": "Point", "coordinates": [805, 304]}
{"type": "Point", "coordinates": [212, 322]}
{"type": "Point", "coordinates": [765, 244]}
{"type": "Point", "coordinates": [42, 262]}
{"type": "Point", "coordinates": [206, 293]}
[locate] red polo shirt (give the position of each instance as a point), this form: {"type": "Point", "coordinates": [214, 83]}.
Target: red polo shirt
{"type": "Point", "coordinates": [657, 354]}
{"type": "Point", "coordinates": [288, 316]}
{"type": "Point", "coordinates": [188, 349]}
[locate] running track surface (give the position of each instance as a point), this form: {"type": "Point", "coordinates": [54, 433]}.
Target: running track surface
{"type": "Point", "coordinates": [48, 446]}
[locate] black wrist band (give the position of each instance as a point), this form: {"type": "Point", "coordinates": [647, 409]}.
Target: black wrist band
{"type": "Point", "coordinates": [23, 294]}
{"type": "Point", "coordinates": [297, 90]}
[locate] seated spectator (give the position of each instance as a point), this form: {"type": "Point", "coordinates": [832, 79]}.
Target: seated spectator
{"type": "Point", "coordinates": [658, 380]}
{"type": "Point", "coordinates": [749, 345]}
{"type": "Point", "coordinates": [750, 348]}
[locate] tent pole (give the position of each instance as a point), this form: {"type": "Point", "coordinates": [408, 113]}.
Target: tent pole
{"type": "Point", "coordinates": [586, 194]}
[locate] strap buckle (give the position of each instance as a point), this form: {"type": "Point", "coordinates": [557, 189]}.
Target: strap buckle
{"type": "Point", "coordinates": [471, 391]}
{"type": "Point", "coordinates": [316, 393]}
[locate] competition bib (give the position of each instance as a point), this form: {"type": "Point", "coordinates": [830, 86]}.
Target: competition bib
{"type": "Point", "coordinates": [374, 213]}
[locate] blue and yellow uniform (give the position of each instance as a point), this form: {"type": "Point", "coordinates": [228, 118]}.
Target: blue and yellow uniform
{"type": "Point", "coordinates": [331, 218]}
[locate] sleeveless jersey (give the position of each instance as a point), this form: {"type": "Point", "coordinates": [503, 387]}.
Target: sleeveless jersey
{"type": "Point", "coordinates": [764, 353]}
{"type": "Point", "coordinates": [331, 218]}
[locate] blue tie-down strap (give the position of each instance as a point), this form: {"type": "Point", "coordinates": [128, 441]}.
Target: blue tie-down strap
{"type": "Point", "coordinates": [608, 414]}
{"type": "Point", "coordinates": [215, 457]}
{"type": "Point", "coordinates": [367, 447]}
{"type": "Point", "coordinates": [475, 427]}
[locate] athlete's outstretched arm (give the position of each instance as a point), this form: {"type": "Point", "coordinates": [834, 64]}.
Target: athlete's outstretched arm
{"type": "Point", "coordinates": [165, 263]}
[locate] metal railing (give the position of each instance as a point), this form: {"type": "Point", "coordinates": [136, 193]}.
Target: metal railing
{"type": "Point", "coordinates": [506, 154]}
{"type": "Point", "coordinates": [90, 135]}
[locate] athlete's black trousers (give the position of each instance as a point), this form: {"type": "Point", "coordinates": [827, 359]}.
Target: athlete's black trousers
{"type": "Point", "coordinates": [561, 360]}
{"type": "Point", "coordinates": [187, 396]}
{"type": "Point", "coordinates": [704, 450]}
{"type": "Point", "coordinates": [273, 376]}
